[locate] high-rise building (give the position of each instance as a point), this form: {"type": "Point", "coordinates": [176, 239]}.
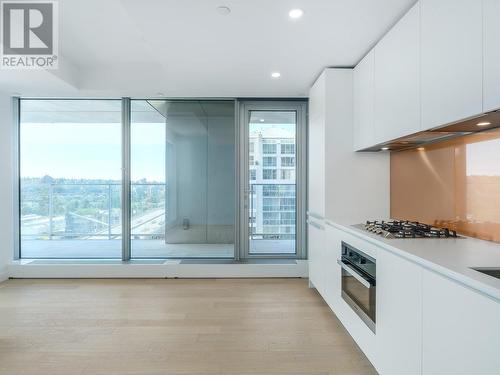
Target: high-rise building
{"type": "Point", "coordinates": [272, 184]}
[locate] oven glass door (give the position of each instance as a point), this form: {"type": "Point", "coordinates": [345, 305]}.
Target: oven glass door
{"type": "Point", "coordinates": [359, 291]}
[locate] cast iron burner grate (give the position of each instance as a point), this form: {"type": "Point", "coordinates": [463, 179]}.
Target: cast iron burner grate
{"type": "Point", "coordinates": [408, 229]}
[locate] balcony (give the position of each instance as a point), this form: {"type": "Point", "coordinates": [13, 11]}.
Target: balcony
{"type": "Point", "coordinates": [83, 220]}
{"type": "Point", "coordinates": [272, 217]}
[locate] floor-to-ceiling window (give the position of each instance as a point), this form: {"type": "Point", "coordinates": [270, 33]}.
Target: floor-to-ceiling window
{"type": "Point", "coordinates": [182, 178]}
{"type": "Point", "coordinates": [163, 171]}
{"type": "Point", "coordinates": [70, 178]}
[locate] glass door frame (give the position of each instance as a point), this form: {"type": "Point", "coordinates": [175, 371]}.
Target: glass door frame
{"type": "Point", "coordinates": [245, 108]}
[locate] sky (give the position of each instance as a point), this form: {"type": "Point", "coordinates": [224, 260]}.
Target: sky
{"type": "Point", "coordinates": [93, 151]}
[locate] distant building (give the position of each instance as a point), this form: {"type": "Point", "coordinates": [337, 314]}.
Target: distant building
{"type": "Point", "coordinates": [272, 180]}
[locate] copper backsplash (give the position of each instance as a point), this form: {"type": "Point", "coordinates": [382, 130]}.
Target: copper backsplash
{"type": "Point", "coordinates": [453, 183]}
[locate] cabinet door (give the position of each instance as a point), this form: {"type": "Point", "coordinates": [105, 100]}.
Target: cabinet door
{"type": "Point", "coordinates": [491, 35]}
{"type": "Point", "coordinates": [363, 95]}
{"type": "Point", "coordinates": [333, 273]}
{"type": "Point", "coordinates": [316, 143]}
{"type": "Point", "coordinates": [461, 329]}
{"type": "Point", "coordinates": [397, 79]}
{"type": "Point", "coordinates": [451, 37]}
{"type": "Point", "coordinates": [315, 246]}
{"type": "Point", "coordinates": [399, 315]}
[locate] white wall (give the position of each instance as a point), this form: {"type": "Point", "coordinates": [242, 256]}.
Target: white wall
{"type": "Point", "coordinates": [6, 160]}
{"type": "Point", "coordinates": [357, 184]}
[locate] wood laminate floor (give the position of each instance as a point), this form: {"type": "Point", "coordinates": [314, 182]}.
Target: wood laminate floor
{"type": "Point", "coordinates": [146, 327]}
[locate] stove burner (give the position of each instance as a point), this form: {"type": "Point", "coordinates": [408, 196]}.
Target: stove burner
{"type": "Point", "coordinates": [408, 229]}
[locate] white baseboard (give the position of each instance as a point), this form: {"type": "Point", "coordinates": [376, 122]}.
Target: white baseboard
{"type": "Point", "coordinates": [170, 269]}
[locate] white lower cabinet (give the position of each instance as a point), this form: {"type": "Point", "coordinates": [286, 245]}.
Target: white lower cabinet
{"type": "Point", "coordinates": [399, 315]}
{"type": "Point", "coordinates": [316, 245]}
{"type": "Point", "coordinates": [333, 272]}
{"type": "Point", "coordinates": [426, 324]}
{"type": "Point", "coordinates": [461, 329]}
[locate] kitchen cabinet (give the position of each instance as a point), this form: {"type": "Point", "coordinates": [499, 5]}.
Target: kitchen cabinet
{"type": "Point", "coordinates": [491, 62]}
{"type": "Point", "coordinates": [316, 140]}
{"type": "Point", "coordinates": [363, 102]}
{"type": "Point", "coordinates": [332, 271]}
{"type": "Point", "coordinates": [461, 329]}
{"type": "Point", "coordinates": [451, 60]}
{"type": "Point", "coordinates": [397, 79]}
{"type": "Point", "coordinates": [399, 315]}
{"type": "Point", "coordinates": [316, 253]}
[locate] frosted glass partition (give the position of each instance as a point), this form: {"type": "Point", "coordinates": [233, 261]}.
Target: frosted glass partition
{"type": "Point", "coordinates": [183, 178]}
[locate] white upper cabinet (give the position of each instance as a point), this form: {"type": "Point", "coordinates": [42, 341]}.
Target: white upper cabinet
{"type": "Point", "coordinates": [397, 79]}
{"type": "Point", "coordinates": [451, 60]}
{"type": "Point", "coordinates": [363, 105]}
{"type": "Point", "coordinates": [491, 45]}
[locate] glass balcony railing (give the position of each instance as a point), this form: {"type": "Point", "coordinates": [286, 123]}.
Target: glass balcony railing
{"type": "Point", "coordinates": [88, 211]}
{"type": "Point", "coordinates": [272, 211]}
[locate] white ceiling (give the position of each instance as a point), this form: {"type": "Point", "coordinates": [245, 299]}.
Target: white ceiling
{"type": "Point", "coordinates": [187, 49]}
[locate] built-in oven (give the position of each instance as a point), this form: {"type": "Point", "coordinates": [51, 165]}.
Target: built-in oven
{"type": "Point", "coordinates": [359, 283]}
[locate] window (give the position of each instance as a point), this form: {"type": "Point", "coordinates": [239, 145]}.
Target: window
{"type": "Point", "coordinates": [288, 148]}
{"type": "Point", "coordinates": [181, 183]}
{"type": "Point", "coordinates": [251, 160]}
{"type": "Point", "coordinates": [70, 178]}
{"type": "Point", "coordinates": [269, 148]}
{"type": "Point", "coordinates": [251, 147]}
{"type": "Point", "coordinates": [288, 161]}
{"type": "Point", "coordinates": [271, 218]}
{"type": "Point", "coordinates": [253, 174]}
{"type": "Point", "coordinates": [288, 174]}
{"type": "Point", "coordinates": [271, 204]}
{"type": "Point", "coordinates": [287, 218]}
{"type": "Point", "coordinates": [269, 174]}
{"type": "Point", "coordinates": [274, 135]}
{"type": "Point", "coordinates": [268, 161]}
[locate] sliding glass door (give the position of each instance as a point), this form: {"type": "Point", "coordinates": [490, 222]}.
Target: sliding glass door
{"type": "Point", "coordinates": [273, 179]}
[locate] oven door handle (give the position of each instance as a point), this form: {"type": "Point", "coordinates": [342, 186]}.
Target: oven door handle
{"type": "Point", "coordinates": [351, 271]}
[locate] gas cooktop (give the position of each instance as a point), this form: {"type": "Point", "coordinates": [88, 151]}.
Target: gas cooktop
{"type": "Point", "coordinates": [407, 229]}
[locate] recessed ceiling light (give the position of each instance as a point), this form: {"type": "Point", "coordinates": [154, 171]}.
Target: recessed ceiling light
{"type": "Point", "coordinates": [262, 120]}
{"type": "Point", "coordinates": [384, 148]}
{"type": "Point", "coordinates": [421, 149]}
{"type": "Point", "coordinates": [483, 123]}
{"type": "Point", "coordinates": [275, 74]}
{"type": "Point", "coordinates": [296, 13]}
{"type": "Point", "coordinates": [223, 10]}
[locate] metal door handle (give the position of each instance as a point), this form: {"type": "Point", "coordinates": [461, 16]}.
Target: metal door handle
{"type": "Point", "coordinates": [351, 271]}
{"type": "Point", "coordinates": [315, 225]}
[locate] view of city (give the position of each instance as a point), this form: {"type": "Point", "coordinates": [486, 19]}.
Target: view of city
{"type": "Point", "coordinates": [272, 166]}
{"type": "Point", "coordinates": [181, 202]}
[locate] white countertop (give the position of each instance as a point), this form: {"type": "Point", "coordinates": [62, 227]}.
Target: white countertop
{"type": "Point", "coordinates": [451, 257]}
